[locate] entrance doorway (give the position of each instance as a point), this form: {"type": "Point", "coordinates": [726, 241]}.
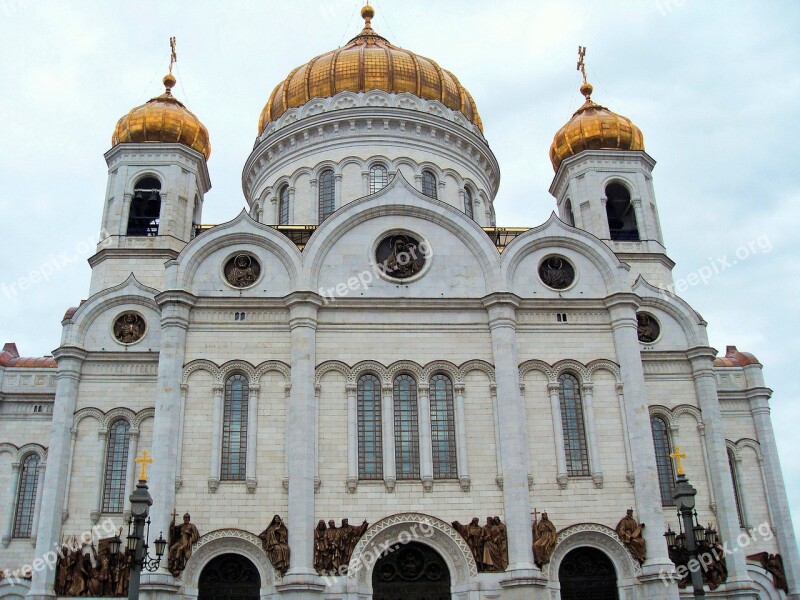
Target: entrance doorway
{"type": "Point", "coordinates": [587, 574]}
{"type": "Point", "coordinates": [411, 572]}
{"type": "Point", "coordinates": [229, 577]}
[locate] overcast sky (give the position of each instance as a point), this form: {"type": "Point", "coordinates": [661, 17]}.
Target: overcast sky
{"type": "Point", "coordinates": [714, 86]}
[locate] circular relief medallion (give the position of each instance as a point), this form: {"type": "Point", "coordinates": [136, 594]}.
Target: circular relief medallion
{"type": "Point", "coordinates": [242, 270]}
{"type": "Point", "coordinates": [557, 272]}
{"type": "Point", "coordinates": [647, 327]}
{"type": "Point", "coordinates": [129, 328]}
{"type": "Point", "coordinates": [400, 255]}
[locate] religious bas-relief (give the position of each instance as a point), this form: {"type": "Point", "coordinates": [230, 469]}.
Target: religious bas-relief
{"type": "Point", "coordinates": [557, 272]}
{"type": "Point", "coordinates": [242, 270]}
{"type": "Point", "coordinates": [129, 327]}
{"type": "Point", "coordinates": [544, 539]}
{"type": "Point", "coordinates": [333, 546]}
{"type": "Point", "coordinates": [773, 564]}
{"type": "Point", "coordinates": [488, 543]}
{"type": "Point", "coordinates": [647, 328]}
{"type": "Point", "coordinates": [630, 533]}
{"type": "Point", "coordinates": [275, 541]}
{"type": "Point", "coordinates": [400, 255]}
{"type": "Point", "coordinates": [182, 538]}
{"type": "Point", "coordinates": [96, 574]}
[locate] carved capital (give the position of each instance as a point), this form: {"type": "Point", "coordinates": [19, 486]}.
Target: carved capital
{"type": "Point", "coordinates": [217, 388]}
{"type": "Point", "coordinates": [427, 484]}
{"type": "Point", "coordinates": [390, 482]}
{"type": "Point", "coordinates": [352, 485]}
{"type": "Point", "coordinates": [465, 482]}
{"type": "Point", "coordinates": [598, 480]}
{"type": "Point", "coordinates": [587, 388]}
{"type": "Point", "coordinates": [553, 388]}
{"type": "Point", "coordinates": [387, 390]}
{"type": "Point", "coordinates": [562, 481]}
{"type": "Point", "coordinates": [423, 389]}
{"type": "Point", "coordinates": [64, 515]}
{"type": "Point", "coordinates": [499, 481]}
{"type": "Point", "coordinates": [94, 516]}
{"type": "Point", "coordinates": [631, 477]}
{"type": "Point", "coordinates": [178, 482]}
{"type": "Point", "coordinates": [5, 541]}
{"type": "Point", "coordinates": [251, 484]}
{"type": "Point", "coordinates": [459, 389]}
{"type": "Point", "coordinates": [213, 484]}
{"type": "Point", "coordinates": [351, 389]}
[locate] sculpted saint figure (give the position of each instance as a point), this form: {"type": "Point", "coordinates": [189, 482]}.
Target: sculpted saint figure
{"type": "Point", "coordinates": [331, 547]}
{"type": "Point", "coordinates": [242, 271]}
{"type": "Point", "coordinates": [492, 538]}
{"type": "Point", "coordinates": [630, 534]}
{"type": "Point", "coordinates": [275, 540]}
{"type": "Point", "coordinates": [348, 538]}
{"type": "Point", "coordinates": [472, 534]}
{"type": "Point", "coordinates": [544, 540]}
{"type": "Point", "coordinates": [184, 536]}
{"type": "Point", "coordinates": [320, 548]}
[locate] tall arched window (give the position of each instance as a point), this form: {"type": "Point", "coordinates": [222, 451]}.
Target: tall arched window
{"type": "Point", "coordinates": [620, 213]}
{"type": "Point", "coordinates": [378, 178]}
{"type": "Point", "coordinates": [116, 466]}
{"type": "Point", "coordinates": [145, 209]}
{"type": "Point", "coordinates": [572, 424]}
{"type": "Point", "coordinates": [468, 207]}
{"type": "Point", "coordinates": [234, 428]}
{"type": "Point", "coordinates": [568, 214]}
{"type": "Point", "coordinates": [663, 447]}
{"type": "Point", "coordinates": [429, 184]}
{"type": "Point", "coordinates": [370, 431]}
{"type": "Point", "coordinates": [327, 194]}
{"type": "Point", "coordinates": [283, 206]}
{"type": "Point", "coordinates": [406, 427]}
{"type": "Point", "coordinates": [443, 428]}
{"type": "Point", "coordinates": [736, 492]}
{"type": "Point", "coordinates": [26, 497]}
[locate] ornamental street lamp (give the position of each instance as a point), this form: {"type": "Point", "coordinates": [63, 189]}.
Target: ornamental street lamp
{"type": "Point", "coordinates": [137, 540]}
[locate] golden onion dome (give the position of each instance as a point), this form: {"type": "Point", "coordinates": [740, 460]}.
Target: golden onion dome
{"type": "Point", "coordinates": [368, 62]}
{"type": "Point", "coordinates": [163, 119]}
{"type": "Point", "coordinates": [594, 127]}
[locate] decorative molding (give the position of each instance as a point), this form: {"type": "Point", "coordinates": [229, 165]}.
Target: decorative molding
{"type": "Point", "coordinates": [597, 536]}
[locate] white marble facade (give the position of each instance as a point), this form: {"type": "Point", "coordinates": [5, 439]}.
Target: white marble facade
{"type": "Point", "coordinates": [318, 317]}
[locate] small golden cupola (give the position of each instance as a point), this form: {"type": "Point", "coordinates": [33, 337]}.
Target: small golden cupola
{"type": "Point", "coordinates": [163, 119]}
{"type": "Point", "coordinates": [369, 62]}
{"type": "Point", "coordinates": [593, 127]}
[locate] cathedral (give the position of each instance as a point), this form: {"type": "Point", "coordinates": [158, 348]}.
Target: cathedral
{"type": "Point", "coordinates": [361, 387]}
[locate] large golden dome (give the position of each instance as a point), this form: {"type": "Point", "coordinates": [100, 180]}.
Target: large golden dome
{"type": "Point", "coordinates": [163, 119]}
{"type": "Point", "coordinates": [368, 62]}
{"type": "Point", "coordinates": [594, 127]}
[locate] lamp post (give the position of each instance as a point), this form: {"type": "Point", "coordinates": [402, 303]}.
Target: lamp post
{"type": "Point", "coordinates": [141, 501]}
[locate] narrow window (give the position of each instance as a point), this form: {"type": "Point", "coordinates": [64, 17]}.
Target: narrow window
{"type": "Point", "coordinates": [468, 207]}
{"type": "Point", "coordinates": [663, 447]}
{"type": "Point", "coordinates": [378, 178]}
{"type": "Point", "coordinates": [573, 426]}
{"type": "Point", "coordinates": [429, 184]}
{"type": "Point", "coordinates": [234, 428]}
{"type": "Point", "coordinates": [620, 213]}
{"type": "Point", "coordinates": [26, 497]}
{"type": "Point", "coordinates": [283, 206]}
{"type": "Point", "coordinates": [735, 480]}
{"type": "Point", "coordinates": [327, 195]}
{"type": "Point", "coordinates": [406, 427]}
{"type": "Point", "coordinates": [443, 428]}
{"type": "Point", "coordinates": [145, 209]}
{"type": "Point", "coordinates": [568, 214]}
{"type": "Point", "coordinates": [116, 467]}
{"type": "Point", "coordinates": [370, 436]}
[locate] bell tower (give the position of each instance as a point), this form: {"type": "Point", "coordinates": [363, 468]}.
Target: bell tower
{"type": "Point", "coordinates": [157, 179]}
{"type": "Point", "coordinates": [604, 185]}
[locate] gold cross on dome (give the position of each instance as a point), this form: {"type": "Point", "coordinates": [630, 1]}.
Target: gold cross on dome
{"type": "Point", "coordinates": [144, 460]}
{"type": "Point", "coordinates": [679, 456]}
{"type": "Point", "coordinates": [173, 57]}
{"type": "Point", "coordinates": [581, 65]}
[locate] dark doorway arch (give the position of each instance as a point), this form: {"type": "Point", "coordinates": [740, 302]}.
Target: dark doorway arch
{"type": "Point", "coordinates": [587, 574]}
{"type": "Point", "coordinates": [412, 572]}
{"type": "Point", "coordinates": [229, 577]}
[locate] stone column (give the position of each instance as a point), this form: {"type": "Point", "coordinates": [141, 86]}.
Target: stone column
{"type": "Point", "coordinates": [179, 466]}
{"type": "Point", "coordinates": [775, 488]}
{"type": "Point", "coordinates": [591, 435]}
{"type": "Point", "coordinates": [275, 216]}
{"type": "Point", "coordinates": [352, 438]}
{"type": "Point", "coordinates": [365, 182]}
{"type": "Point", "coordinates": [176, 306]}
{"type": "Point", "coordinates": [70, 360]}
{"type": "Point", "coordinates": [622, 310]}
{"type": "Point", "coordinates": [100, 469]}
{"type": "Point", "coordinates": [387, 421]}
{"type": "Point", "coordinates": [130, 473]}
{"type": "Point", "coordinates": [630, 476]}
{"type": "Point", "coordinates": [73, 438]}
{"type": "Point", "coordinates": [705, 385]}
{"type": "Point", "coordinates": [8, 529]}
{"type": "Point", "coordinates": [302, 579]}
{"type": "Point", "coordinates": [252, 439]}
{"type": "Point", "coordinates": [501, 309]}
{"type": "Point", "coordinates": [425, 442]}
{"type": "Point", "coordinates": [558, 435]}
{"type": "Point", "coordinates": [497, 453]}
{"type": "Point", "coordinates": [641, 223]}
{"type": "Point", "coordinates": [701, 429]}
{"type": "Point", "coordinates": [461, 438]}
{"type": "Point", "coordinates": [216, 438]}
{"type": "Point", "coordinates": [38, 502]}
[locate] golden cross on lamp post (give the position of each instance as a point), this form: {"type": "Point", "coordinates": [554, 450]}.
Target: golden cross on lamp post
{"type": "Point", "coordinates": [144, 460]}
{"type": "Point", "coordinates": [581, 65]}
{"type": "Point", "coordinates": [173, 57]}
{"type": "Point", "coordinates": [679, 456]}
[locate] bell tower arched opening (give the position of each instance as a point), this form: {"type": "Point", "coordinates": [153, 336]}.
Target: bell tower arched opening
{"type": "Point", "coordinates": [145, 210]}
{"type": "Point", "coordinates": [621, 216]}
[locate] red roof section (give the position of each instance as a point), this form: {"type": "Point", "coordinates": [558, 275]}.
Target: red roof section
{"type": "Point", "coordinates": [10, 357]}
{"type": "Point", "coordinates": [734, 358]}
